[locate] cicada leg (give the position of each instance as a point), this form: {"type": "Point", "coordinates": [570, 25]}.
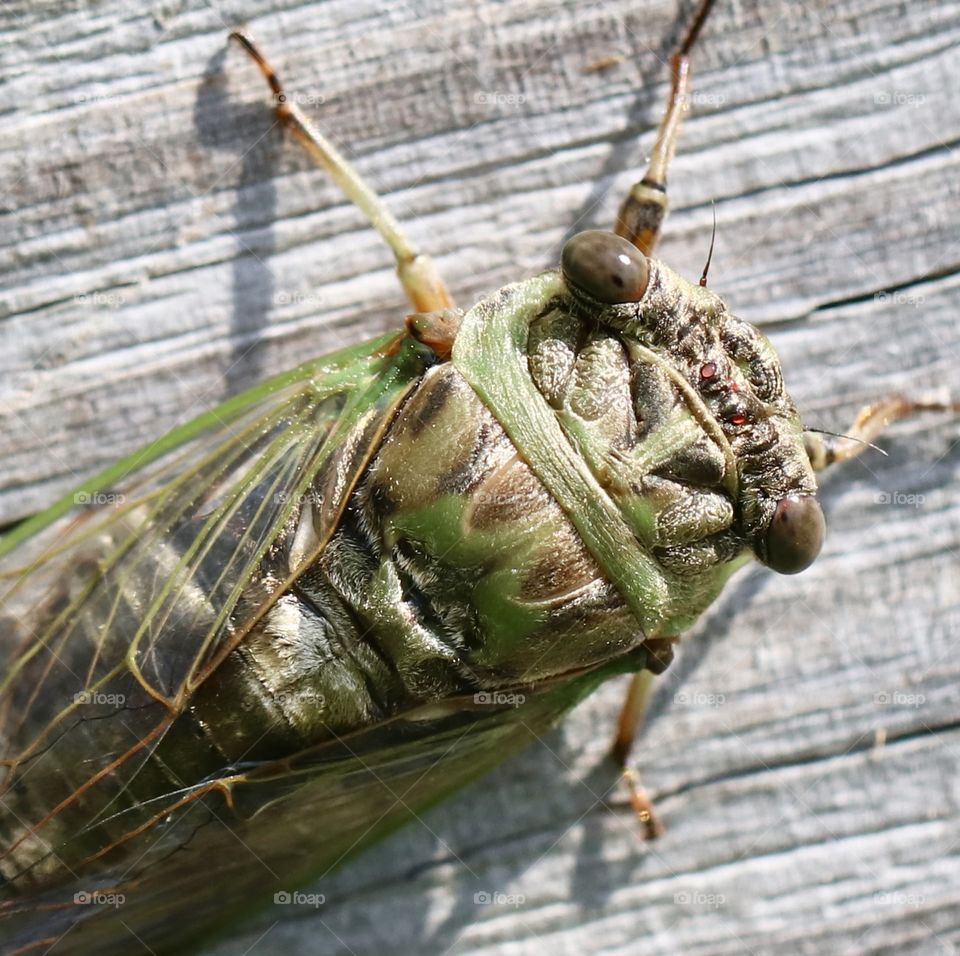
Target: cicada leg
{"type": "Point", "coordinates": [642, 213]}
{"type": "Point", "coordinates": [659, 654]}
{"type": "Point", "coordinates": [628, 726]}
{"type": "Point", "coordinates": [417, 272]}
{"type": "Point", "coordinates": [826, 449]}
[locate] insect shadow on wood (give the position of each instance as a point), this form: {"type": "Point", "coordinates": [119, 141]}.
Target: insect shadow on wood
{"type": "Point", "coordinates": [251, 220]}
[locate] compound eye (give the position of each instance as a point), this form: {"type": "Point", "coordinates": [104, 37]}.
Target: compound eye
{"type": "Point", "coordinates": [795, 535]}
{"type": "Point", "coordinates": [605, 266]}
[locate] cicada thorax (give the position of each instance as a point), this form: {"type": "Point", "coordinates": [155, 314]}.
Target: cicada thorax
{"type": "Point", "coordinates": [485, 559]}
{"type": "Point", "coordinates": [451, 570]}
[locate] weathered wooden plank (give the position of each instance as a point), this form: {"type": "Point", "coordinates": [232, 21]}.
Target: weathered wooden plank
{"type": "Point", "coordinates": [163, 247]}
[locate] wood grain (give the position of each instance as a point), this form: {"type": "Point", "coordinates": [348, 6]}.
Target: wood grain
{"type": "Point", "coordinates": [164, 247]}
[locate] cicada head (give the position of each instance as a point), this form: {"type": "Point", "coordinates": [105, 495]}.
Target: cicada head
{"type": "Point", "coordinates": [680, 410]}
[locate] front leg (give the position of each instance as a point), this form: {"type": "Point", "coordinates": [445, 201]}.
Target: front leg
{"type": "Point", "coordinates": [826, 449]}
{"type": "Point", "coordinates": [417, 272]}
{"type": "Point", "coordinates": [660, 653]}
{"type": "Point", "coordinates": [642, 213]}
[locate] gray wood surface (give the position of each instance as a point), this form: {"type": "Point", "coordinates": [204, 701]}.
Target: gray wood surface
{"type": "Point", "coordinates": [162, 247]}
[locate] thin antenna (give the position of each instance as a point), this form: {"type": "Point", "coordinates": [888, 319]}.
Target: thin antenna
{"type": "Point", "coordinates": [693, 30]}
{"type": "Point", "coordinates": [713, 237]}
{"type": "Point", "coordinates": [869, 444]}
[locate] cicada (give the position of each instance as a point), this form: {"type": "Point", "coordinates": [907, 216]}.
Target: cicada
{"type": "Point", "coordinates": [254, 647]}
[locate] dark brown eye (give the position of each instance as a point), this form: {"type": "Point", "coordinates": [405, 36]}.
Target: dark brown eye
{"type": "Point", "coordinates": [795, 535]}
{"type": "Point", "coordinates": [605, 266]}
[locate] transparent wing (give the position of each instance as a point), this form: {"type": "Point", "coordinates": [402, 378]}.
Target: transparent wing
{"type": "Point", "coordinates": [260, 835]}
{"type": "Point", "coordinates": [118, 602]}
